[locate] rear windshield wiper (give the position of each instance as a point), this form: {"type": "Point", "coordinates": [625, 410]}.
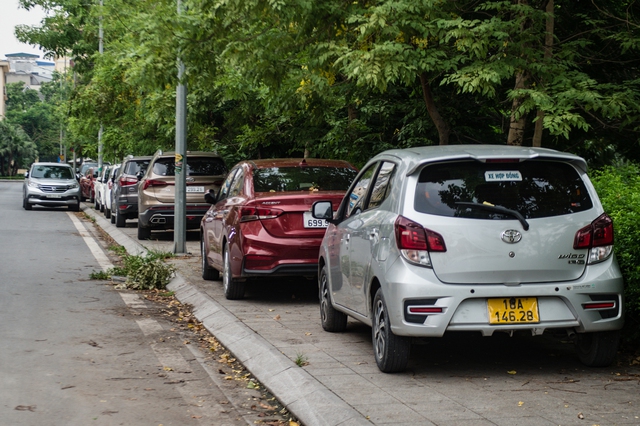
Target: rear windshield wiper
{"type": "Point", "coordinates": [497, 209]}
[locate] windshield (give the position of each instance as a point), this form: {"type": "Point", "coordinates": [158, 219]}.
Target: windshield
{"type": "Point", "coordinates": [278, 179]}
{"type": "Point", "coordinates": [534, 189]}
{"type": "Point", "coordinates": [52, 172]}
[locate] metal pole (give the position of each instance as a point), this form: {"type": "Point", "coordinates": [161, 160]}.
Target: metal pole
{"type": "Point", "coordinates": [180, 214]}
{"type": "Point", "coordinates": [100, 47]}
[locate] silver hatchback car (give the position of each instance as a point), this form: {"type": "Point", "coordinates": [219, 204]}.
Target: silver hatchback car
{"type": "Point", "coordinates": [480, 238]}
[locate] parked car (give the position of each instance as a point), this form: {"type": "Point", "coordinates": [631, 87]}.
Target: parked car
{"type": "Point", "coordinates": [84, 167]}
{"type": "Point", "coordinates": [51, 185]}
{"type": "Point", "coordinates": [99, 186]}
{"type": "Point", "coordinates": [260, 224]}
{"type": "Point", "coordinates": [205, 171]}
{"type": "Point", "coordinates": [471, 238]}
{"type": "Point", "coordinates": [124, 201]}
{"type": "Point", "coordinates": [86, 184]}
{"type": "Point", "coordinates": [108, 191]}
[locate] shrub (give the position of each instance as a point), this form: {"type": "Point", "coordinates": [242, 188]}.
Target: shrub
{"type": "Point", "coordinates": [619, 191]}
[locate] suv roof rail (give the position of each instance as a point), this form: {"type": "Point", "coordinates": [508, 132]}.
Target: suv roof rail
{"type": "Point", "coordinates": [158, 152]}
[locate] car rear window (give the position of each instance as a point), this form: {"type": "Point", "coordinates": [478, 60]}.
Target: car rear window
{"type": "Point", "coordinates": [535, 189]}
{"type": "Point", "coordinates": [134, 167]}
{"type": "Point", "coordinates": [196, 166]}
{"type": "Point", "coordinates": [280, 179]}
{"type": "Point", "coordinates": [52, 172]}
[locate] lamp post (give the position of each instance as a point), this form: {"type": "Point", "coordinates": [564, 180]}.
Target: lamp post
{"type": "Point", "coordinates": [180, 214]}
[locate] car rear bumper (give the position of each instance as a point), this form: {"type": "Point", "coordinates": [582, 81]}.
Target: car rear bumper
{"type": "Point", "coordinates": [162, 217]}
{"type": "Point", "coordinates": [464, 307]}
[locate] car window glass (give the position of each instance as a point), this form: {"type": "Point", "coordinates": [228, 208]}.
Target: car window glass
{"type": "Point", "coordinates": [382, 187]}
{"type": "Point", "coordinates": [196, 166]}
{"type": "Point", "coordinates": [535, 189]}
{"type": "Point", "coordinates": [52, 172]}
{"type": "Point", "coordinates": [237, 184]}
{"type": "Point", "coordinates": [226, 185]}
{"type": "Point", "coordinates": [359, 191]}
{"type": "Point", "coordinates": [306, 178]}
{"type": "Point", "coordinates": [137, 166]}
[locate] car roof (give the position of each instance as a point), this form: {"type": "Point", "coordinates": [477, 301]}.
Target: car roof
{"type": "Point", "coordinates": [138, 157]}
{"type": "Point", "coordinates": [46, 163]}
{"type": "Point", "coordinates": [189, 154]}
{"type": "Point", "coordinates": [297, 162]}
{"type": "Point", "coordinates": [414, 158]}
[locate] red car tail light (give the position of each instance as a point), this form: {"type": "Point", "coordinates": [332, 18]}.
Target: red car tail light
{"type": "Point", "coordinates": [128, 181]}
{"type": "Point", "coordinates": [248, 214]}
{"type": "Point", "coordinates": [415, 242]}
{"type": "Point", "coordinates": [153, 182]}
{"type": "Point", "coordinates": [597, 237]}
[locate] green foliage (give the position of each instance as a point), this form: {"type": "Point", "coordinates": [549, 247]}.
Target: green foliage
{"type": "Point", "coordinates": [619, 191]}
{"type": "Point", "coordinates": [143, 272]}
{"type": "Point", "coordinates": [16, 149]}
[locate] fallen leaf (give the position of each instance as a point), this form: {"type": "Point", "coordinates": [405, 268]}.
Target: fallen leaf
{"type": "Point", "coordinates": [512, 372]}
{"type": "Point", "coordinates": [277, 317]}
{"type": "Point", "coordinates": [307, 334]}
{"type": "Point", "coordinates": [581, 416]}
{"type": "Point", "coordinates": [520, 403]}
{"type": "Point", "coordinates": [266, 406]}
{"type": "Point", "coordinates": [168, 369]}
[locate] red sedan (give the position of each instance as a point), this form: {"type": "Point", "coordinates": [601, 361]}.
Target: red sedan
{"type": "Point", "coordinates": [260, 223]}
{"type": "Point", "coordinates": [86, 184]}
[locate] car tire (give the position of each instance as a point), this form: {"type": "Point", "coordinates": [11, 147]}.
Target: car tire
{"type": "Point", "coordinates": [96, 204]}
{"type": "Point", "coordinates": [143, 233]}
{"type": "Point", "coordinates": [332, 320]}
{"type": "Point", "coordinates": [390, 351]}
{"type": "Point", "coordinates": [107, 213]}
{"type": "Point", "coordinates": [101, 208]}
{"type": "Point", "coordinates": [113, 218]}
{"type": "Point", "coordinates": [233, 288]}
{"type": "Point", "coordinates": [120, 220]}
{"type": "Point", "coordinates": [75, 207]}
{"type": "Point", "coordinates": [208, 273]}
{"type": "Point", "coordinates": [598, 349]}
{"type": "Point", "coordinates": [26, 205]}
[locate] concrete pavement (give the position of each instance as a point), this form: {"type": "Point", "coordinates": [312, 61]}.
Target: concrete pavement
{"type": "Point", "coordinates": [459, 380]}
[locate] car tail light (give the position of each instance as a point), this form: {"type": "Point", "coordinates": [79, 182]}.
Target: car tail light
{"type": "Point", "coordinates": [597, 237]}
{"type": "Point", "coordinates": [415, 242]}
{"type": "Point", "coordinates": [248, 214]}
{"type": "Point", "coordinates": [153, 182]}
{"type": "Point", "coordinates": [128, 181]}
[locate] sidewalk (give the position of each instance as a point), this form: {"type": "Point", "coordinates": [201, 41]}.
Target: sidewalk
{"type": "Point", "coordinates": [461, 380]}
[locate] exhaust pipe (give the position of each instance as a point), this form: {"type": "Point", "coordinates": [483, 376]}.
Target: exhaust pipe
{"type": "Point", "coordinates": [158, 220]}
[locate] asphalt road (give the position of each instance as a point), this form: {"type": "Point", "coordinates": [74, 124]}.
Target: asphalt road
{"type": "Point", "coordinates": [75, 351]}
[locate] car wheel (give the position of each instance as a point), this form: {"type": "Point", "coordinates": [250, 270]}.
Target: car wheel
{"type": "Point", "coordinates": [597, 349]}
{"type": "Point", "coordinates": [208, 273]}
{"type": "Point", "coordinates": [233, 289]}
{"type": "Point", "coordinates": [101, 208]}
{"type": "Point", "coordinates": [75, 207]}
{"type": "Point", "coordinates": [120, 220]}
{"type": "Point", "coordinates": [107, 213]}
{"type": "Point", "coordinates": [391, 351]}
{"type": "Point", "coordinates": [143, 233]}
{"type": "Point", "coordinates": [113, 218]}
{"type": "Point", "coordinates": [332, 319]}
{"type": "Point", "coordinates": [96, 204]}
{"type": "Point", "coordinates": [26, 205]}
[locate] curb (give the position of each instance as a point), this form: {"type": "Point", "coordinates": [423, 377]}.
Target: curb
{"type": "Point", "coordinates": [304, 396]}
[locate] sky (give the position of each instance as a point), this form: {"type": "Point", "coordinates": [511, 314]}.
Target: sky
{"type": "Point", "coordinates": [10, 16]}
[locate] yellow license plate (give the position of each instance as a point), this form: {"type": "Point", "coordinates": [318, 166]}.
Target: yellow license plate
{"type": "Point", "coordinates": [513, 310]}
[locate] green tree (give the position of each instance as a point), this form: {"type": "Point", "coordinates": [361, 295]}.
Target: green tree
{"type": "Point", "coordinates": [16, 149]}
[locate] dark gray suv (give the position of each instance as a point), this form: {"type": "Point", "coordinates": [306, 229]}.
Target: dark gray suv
{"type": "Point", "coordinates": [124, 202]}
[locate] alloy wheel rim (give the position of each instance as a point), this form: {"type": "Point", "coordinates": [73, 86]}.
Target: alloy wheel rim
{"type": "Point", "coordinates": [379, 329]}
{"type": "Point", "coordinates": [324, 300]}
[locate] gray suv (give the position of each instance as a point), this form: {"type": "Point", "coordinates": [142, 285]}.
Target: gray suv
{"type": "Point", "coordinates": [124, 199]}
{"type": "Point", "coordinates": [483, 238]}
{"type": "Point", "coordinates": [51, 185]}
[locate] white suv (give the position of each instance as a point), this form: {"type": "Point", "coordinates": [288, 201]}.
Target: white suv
{"type": "Point", "coordinates": [471, 238]}
{"type": "Point", "coordinates": [51, 185]}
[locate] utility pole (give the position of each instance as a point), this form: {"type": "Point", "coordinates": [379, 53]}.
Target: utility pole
{"type": "Point", "coordinates": [180, 211]}
{"type": "Point", "coordinates": [100, 38]}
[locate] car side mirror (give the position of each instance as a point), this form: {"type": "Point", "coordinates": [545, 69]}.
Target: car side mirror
{"type": "Point", "coordinates": [26, 175]}
{"type": "Point", "coordinates": [210, 197]}
{"type": "Point", "coordinates": [323, 210]}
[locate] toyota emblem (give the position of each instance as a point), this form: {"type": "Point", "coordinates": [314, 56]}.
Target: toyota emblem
{"type": "Point", "coordinates": [511, 236]}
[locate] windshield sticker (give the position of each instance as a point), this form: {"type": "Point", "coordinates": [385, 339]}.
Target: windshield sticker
{"type": "Point", "coordinates": [502, 176]}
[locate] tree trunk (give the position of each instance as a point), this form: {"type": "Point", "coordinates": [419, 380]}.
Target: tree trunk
{"type": "Point", "coordinates": [443, 128]}
{"type": "Point", "coordinates": [517, 125]}
{"type": "Point", "coordinates": [548, 53]}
